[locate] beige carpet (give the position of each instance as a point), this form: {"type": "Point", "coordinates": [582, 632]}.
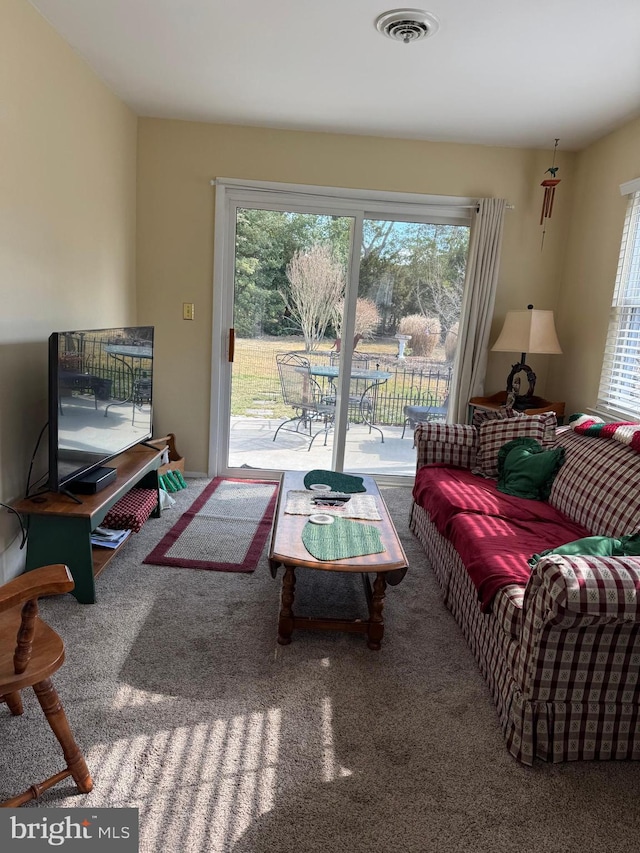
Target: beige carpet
{"type": "Point", "coordinates": [187, 708]}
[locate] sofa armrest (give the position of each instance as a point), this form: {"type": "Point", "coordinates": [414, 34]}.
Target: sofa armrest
{"type": "Point", "coordinates": [579, 640]}
{"type": "Point", "coordinates": [594, 586]}
{"type": "Point", "coordinates": [445, 444]}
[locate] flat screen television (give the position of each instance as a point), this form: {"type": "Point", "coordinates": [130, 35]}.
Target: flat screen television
{"type": "Point", "coordinates": [100, 398]}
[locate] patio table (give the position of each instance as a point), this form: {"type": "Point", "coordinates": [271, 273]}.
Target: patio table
{"type": "Point", "coordinates": [373, 379]}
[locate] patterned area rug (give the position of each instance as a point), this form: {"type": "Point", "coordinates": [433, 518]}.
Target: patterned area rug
{"type": "Point", "coordinates": [225, 529]}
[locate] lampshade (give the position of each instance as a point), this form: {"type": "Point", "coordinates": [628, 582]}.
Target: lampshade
{"type": "Point", "coordinates": [530, 331]}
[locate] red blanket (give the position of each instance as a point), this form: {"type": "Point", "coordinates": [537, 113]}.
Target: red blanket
{"type": "Point", "coordinates": [495, 534]}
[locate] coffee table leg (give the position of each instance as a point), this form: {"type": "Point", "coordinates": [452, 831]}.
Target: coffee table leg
{"type": "Point", "coordinates": [273, 567]}
{"type": "Point", "coordinates": [376, 624]}
{"type": "Point", "coordinates": [285, 622]}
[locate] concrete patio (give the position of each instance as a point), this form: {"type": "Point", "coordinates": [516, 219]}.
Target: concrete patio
{"type": "Point", "coordinates": [252, 445]}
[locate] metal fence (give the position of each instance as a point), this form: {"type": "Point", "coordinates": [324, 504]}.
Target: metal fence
{"type": "Point", "coordinates": [111, 378]}
{"type": "Point", "coordinates": [414, 381]}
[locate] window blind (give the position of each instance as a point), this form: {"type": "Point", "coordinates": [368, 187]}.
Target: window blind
{"type": "Point", "coordinates": [619, 392]}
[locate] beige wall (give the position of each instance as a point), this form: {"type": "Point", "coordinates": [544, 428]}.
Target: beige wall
{"type": "Point", "coordinates": [593, 247]}
{"type": "Point", "coordinates": [67, 227]}
{"type": "Point", "coordinates": [176, 161]}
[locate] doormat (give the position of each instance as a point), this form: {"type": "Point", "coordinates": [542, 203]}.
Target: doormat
{"type": "Point", "coordinates": [225, 529]}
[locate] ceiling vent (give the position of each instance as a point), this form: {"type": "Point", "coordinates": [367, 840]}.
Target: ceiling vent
{"type": "Point", "coordinates": [407, 25]}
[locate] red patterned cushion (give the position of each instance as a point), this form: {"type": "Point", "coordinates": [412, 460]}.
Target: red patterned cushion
{"type": "Point", "coordinates": [132, 510]}
{"type": "Point", "coordinates": [601, 487]}
{"type": "Point", "coordinates": [445, 444]}
{"type": "Point", "coordinates": [481, 416]}
{"type": "Point", "coordinates": [492, 435]}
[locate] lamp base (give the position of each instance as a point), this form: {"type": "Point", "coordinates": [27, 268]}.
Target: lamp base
{"type": "Point", "coordinates": [513, 380]}
{"type": "Point", "coordinates": [527, 401]}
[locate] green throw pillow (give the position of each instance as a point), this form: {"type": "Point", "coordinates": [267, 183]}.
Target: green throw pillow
{"type": "Point", "coordinates": [596, 546]}
{"type": "Point", "coordinates": [525, 470]}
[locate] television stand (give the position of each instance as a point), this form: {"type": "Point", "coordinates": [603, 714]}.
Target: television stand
{"type": "Point", "coordinates": [60, 529]}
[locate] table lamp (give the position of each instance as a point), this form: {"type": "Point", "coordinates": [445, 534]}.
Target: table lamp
{"type": "Point", "coordinates": [530, 331]}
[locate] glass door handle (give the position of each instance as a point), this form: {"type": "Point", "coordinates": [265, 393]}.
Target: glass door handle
{"type": "Point", "coordinates": [232, 344]}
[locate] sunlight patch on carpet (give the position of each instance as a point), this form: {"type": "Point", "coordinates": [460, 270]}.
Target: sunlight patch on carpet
{"type": "Point", "coordinates": [230, 763]}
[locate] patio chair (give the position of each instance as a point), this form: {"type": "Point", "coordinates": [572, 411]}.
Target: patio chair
{"type": "Point", "coordinates": [358, 359]}
{"type": "Point", "coordinates": [301, 391]}
{"type": "Point", "coordinates": [360, 402]}
{"type": "Point", "coordinates": [140, 391]}
{"type": "Point", "coordinates": [417, 414]}
{"type": "Point", "coordinates": [75, 377]}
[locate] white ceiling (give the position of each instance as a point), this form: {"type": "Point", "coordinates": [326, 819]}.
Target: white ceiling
{"type": "Point", "coordinates": [498, 72]}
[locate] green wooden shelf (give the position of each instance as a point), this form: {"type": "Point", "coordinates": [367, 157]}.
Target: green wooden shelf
{"type": "Point", "coordinates": [59, 529]}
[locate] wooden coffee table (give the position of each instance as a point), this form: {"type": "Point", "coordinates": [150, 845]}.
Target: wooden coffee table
{"type": "Point", "coordinates": [288, 550]}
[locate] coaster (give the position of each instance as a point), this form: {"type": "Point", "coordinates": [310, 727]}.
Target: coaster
{"type": "Point", "coordinates": [320, 518]}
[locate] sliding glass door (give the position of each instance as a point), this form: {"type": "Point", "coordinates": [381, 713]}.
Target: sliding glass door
{"type": "Point", "coordinates": [289, 284]}
{"type": "Point", "coordinates": [332, 321]}
{"type": "Point", "coordinates": [410, 285]}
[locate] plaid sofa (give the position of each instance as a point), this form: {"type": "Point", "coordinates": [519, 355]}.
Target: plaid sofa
{"type": "Point", "coordinates": [561, 653]}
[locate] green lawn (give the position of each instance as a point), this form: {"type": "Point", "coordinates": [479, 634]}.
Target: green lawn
{"type": "Point", "coordinates": [256, 385]}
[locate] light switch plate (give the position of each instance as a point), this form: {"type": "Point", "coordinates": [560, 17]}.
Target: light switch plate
{"type": "Point", "coordinates": [188, 311]}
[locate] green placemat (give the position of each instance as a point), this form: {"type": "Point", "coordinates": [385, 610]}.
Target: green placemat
{"type": "Point", "coordinates": [341, 539]}
{"type": "Point", "coordinates": [338, 482]}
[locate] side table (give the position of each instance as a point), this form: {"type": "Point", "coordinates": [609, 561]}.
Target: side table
{"type": "Point", "coordinates": [496, 401]}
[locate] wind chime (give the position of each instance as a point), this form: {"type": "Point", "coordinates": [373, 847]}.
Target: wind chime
{"type": "Point", "coordinates": [549, 185]}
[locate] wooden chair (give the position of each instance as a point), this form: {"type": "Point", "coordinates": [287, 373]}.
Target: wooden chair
{"type": "Point", "coordinates": [30, 652]}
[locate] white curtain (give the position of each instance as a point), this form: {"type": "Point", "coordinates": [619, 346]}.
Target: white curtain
{"type": "Point", "coordinates": [477, 307]}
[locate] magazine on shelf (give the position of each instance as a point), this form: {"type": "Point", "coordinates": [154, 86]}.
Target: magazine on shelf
{"type": "Point", "coordinates": [108, 538]}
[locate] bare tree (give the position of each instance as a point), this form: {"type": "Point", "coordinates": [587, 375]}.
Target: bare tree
{"type": "Point", "coordinates": [316, 283]}
{"type": "Point", "coordinates": [440, 280]}
{"type": "Point", "coordinates": [367, 318]}
{"type": "Point", "coordinates": [442, 297]}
